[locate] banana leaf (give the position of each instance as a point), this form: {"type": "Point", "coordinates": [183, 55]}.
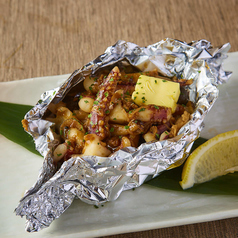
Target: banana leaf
{"type": "Point", "coordinates": [10, 125]}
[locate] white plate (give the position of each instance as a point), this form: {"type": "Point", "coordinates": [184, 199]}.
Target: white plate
{"type": "Point", "coordinates": [145, 208]}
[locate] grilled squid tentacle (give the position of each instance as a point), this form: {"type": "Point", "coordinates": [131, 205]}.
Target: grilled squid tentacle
{"type": "Point", "coordinates": [99, 116]}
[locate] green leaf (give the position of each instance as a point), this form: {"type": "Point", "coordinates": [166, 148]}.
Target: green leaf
{"type": "Point", "coordinates": [224, 185]}
{"type": "Point", "coordinates": [197, 143]}
{"type": "Point", "coordinates": [10, 125]}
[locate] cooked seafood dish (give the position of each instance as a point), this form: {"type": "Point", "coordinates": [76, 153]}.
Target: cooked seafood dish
{"type": "Point", "coordinates": [117, 110]}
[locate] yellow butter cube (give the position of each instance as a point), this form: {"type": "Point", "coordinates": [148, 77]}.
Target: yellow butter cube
{"type": "Point", "coordinates": [160, 92]}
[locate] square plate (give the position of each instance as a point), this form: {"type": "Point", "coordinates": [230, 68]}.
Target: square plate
{"type": "Point", "coordinates": [144, 208]}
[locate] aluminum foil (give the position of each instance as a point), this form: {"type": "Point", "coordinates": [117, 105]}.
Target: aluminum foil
{"type": "Point", "coordinates": [96, 180]}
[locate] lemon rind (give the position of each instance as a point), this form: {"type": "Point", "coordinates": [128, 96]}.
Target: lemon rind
{"type": "Point", "coordinates": [190, 165]}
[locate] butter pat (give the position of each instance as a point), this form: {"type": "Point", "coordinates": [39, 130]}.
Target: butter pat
{"type": "Point", "coordinates": [160, 92]}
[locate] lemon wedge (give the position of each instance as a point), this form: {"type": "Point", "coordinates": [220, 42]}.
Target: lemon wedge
{"type": "Point", "coordinates": [217, 156]}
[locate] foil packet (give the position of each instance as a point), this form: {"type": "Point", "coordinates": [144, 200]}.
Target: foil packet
{"type": "Point", "coordinates": [96, 180]}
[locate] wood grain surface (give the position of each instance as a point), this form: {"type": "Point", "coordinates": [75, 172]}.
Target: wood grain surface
{"type": "Point", "coordinates": [52, 37]}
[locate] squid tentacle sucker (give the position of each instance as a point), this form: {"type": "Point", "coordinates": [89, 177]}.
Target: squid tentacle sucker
{"type": "Point", "coordinates": [99, 116]}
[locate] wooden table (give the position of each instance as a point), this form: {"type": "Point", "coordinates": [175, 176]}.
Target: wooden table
{"type": "Point", "coordinates": [52, 37]}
